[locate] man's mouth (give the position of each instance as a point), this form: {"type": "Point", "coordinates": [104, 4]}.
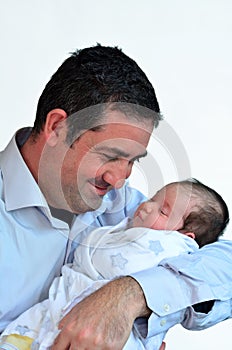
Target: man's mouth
{"type": "Point", "coordinates": [101, 189]}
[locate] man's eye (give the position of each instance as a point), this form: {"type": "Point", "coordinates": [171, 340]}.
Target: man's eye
{"type": "Point", "coordinates": [135, 160]}
{"type": "Point", "coordinates": [163, 212]}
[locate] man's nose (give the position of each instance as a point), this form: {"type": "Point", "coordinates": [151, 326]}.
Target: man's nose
{"type": "Point", "coordinates": [116, 173]}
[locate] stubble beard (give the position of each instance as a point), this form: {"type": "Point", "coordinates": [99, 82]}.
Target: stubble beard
{"type": "Point", "coordinates": [79, 202]}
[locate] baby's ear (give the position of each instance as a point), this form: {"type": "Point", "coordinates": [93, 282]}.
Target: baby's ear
{"type": "Point", "coordinates": [190, 234]}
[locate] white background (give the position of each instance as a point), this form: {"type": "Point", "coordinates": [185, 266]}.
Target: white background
{"type": "Point", "coordinates": [184, 47]}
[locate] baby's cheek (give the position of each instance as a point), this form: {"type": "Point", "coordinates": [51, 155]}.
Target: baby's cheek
{"type": "Point", "coordinates": [156, 223]}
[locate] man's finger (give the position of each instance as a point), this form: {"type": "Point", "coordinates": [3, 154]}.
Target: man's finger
{"type": "Point", "coordinates": [163, 346]}
{"type": "Point", "coordinates": [60, 343]}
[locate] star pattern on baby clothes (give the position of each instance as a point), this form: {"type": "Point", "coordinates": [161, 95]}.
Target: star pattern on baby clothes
{"type": "Point", "coordinates": [118, 261]}
{"type": "Point", "coordinates": [22, 330]}
{"type": "Point", "coordinates": [156, 247]}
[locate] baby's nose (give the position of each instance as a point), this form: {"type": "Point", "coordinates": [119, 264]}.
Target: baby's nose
{"type": "Point", "coordinates": [147, 208]}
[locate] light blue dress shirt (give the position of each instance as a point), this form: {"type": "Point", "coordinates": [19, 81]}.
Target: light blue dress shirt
{"type": "Point", "coordinates": [34, 245]}
{"type": "Point", "coordinates": [185, 280]}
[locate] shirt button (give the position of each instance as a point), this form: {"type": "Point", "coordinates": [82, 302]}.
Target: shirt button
{"type": "Point", "coordinates": [166, 307]}
{"type": "Point", "coordinates": [162, 323]}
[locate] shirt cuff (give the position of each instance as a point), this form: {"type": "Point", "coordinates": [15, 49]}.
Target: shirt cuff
{"type": "Point", "coordinates": [167, 295]}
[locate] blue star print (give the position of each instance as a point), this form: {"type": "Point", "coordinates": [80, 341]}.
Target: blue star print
{"type": "Point", "coordinates": [22, 329]}
{"type": "Point", "coordinates": [119, 261]}
{"type": "Point", "coordinates": [156, 247]}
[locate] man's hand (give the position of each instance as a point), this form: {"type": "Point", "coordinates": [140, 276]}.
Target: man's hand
{"type": "Point", "coordinates": [104, 319]}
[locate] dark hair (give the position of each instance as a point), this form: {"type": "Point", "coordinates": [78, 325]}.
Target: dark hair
{"type": "Point", "coordinates": [95, 76]}
{"type": "Point", "coordinates": [210, 217]}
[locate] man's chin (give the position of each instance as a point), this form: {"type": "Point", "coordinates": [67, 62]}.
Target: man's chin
{"type": "Point", "coordinates": [85, 206]}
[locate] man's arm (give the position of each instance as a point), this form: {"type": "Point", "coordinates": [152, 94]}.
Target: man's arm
{"type": "Point", "coordinates": [186, 280]}
{"type": "Point", "coordinates": [104, 319]}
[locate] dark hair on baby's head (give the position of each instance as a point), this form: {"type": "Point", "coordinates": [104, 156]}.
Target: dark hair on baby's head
{"type": "Point", "coordinates": [209, 217]}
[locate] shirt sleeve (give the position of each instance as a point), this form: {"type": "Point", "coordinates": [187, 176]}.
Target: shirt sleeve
{"type": "Point", "coordinates": [179, 282]}
{"type": "Point", "coordinates": [220, 311]}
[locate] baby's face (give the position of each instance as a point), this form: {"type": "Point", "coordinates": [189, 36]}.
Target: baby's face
{"type": "Point", "coordinates": [166, 210]}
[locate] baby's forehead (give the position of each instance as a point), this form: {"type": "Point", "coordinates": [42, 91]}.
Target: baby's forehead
{"type": "Point", "coordinates": [179, 187]}
{"type": "Point", "coordinates": [177, 191]}
{"type": "Point", "coordinates": [174, 187]}
{"type": "Point", "coordinates": [168, 191]}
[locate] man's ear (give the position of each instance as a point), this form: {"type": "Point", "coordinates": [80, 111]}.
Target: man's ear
{"type": "Point", "coordinates": [53, 125]}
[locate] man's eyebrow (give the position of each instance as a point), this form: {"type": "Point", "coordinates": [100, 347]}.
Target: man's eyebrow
{"type": "Point", "coordinates": [118, 152]}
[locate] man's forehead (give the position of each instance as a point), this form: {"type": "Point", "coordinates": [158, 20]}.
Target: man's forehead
{"type": "Point", "coordinates": [118, 116]}
{"type": "Point", "coordinates": [126, 128]}
{"type": "Point", "coordinates": [121, 136]}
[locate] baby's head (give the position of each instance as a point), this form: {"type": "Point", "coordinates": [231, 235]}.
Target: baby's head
{"type": "Point", "coordinates": [189, 207]}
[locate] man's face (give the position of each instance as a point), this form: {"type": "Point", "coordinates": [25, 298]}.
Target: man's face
{"type": "Point", "coordinates": [99, 161]}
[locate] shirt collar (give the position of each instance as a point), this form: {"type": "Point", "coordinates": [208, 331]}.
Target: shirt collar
{"type": "Point", "coordinates": [20, 188]}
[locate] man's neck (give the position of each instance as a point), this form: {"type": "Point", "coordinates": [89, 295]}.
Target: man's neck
{"type": "Point", "coordinates": [62, 214]}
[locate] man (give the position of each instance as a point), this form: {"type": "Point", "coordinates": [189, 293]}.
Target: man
{"type": "Point", "coordinates": [93, 120]}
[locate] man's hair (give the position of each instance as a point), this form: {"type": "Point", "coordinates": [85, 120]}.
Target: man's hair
{"type": "Point", "coordinates": [210, 215]}
{"type": "Point", "coordinates": [96, 76]}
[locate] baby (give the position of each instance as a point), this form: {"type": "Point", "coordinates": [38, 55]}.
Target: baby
{"type": "Point", "coordinates": [179, 218]}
